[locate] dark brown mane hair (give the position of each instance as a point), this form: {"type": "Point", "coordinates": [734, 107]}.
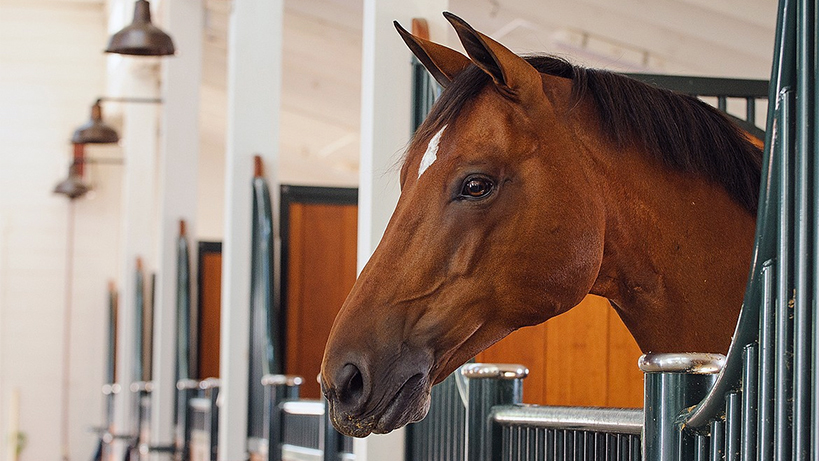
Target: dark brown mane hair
{"type": "Point", "coordinates": [679, 130]}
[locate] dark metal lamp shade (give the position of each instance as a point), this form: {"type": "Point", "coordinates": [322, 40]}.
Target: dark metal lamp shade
{"type": "Point", "coordinates": [141, 38]}
{"type": "Point", "coordinates": [95, 131]}
{"type": "Point", "coordinates": [72, 187]}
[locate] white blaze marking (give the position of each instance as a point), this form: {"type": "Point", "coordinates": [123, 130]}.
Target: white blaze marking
{"type": "Point", "coordinates": [432, 152]}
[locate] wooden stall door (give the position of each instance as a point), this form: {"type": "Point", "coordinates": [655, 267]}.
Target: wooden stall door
{"type": "Point", "coordinates": [585, 357]}
{"type": "Point", "coordinates": [210, 308]}
{"type": "Point", "coordinates": [319, 269]}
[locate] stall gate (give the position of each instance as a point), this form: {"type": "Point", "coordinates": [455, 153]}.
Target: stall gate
{"type": "Point", "coordinates": [764, 404]}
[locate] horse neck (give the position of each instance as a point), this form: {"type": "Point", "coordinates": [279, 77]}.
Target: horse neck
{"type": "Point", "coordinates": [676, 255]}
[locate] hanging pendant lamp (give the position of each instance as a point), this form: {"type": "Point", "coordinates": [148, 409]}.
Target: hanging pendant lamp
{"type": "Point", "coordinates": [73, 186]}
{"type": "Point", "coordinates": [141, 38]}
{"type": "Point", "coordinates": [95, 131]}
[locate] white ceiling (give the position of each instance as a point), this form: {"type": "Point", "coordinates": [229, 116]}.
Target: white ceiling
{"type": "Point", "coordinates": [322, 59]}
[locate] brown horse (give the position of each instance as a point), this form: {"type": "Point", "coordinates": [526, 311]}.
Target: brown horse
{"type": "Point", "coordinates": [531, 184]}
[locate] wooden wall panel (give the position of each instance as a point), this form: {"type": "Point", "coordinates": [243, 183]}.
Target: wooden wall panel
{"type": "Point", "coordinates": [526, 347]}
{"type": "Point", "coordinates": [584, 357]}
{"type": "Point", "coordinates": [577, 362]}
{"type": "Point", "coordinates": [625, 386]}
{"type": "Point", "coordinates": [321, 271]}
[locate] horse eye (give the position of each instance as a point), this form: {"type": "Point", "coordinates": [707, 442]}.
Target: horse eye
{"type": "Point", "coordinates": [476, 188]}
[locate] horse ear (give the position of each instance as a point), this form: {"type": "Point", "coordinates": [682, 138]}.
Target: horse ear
{"type": "Point", "coordinates": [442, 62]}
{"type": "Point", "coordinates": [508, 70]}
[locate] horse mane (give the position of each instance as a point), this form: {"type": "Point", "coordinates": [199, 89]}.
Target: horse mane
{"type": "Point", "coordinates": [679, 130]}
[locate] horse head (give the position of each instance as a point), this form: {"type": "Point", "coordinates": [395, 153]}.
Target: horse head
{"type": "Point", "coordinates": [498, 226]}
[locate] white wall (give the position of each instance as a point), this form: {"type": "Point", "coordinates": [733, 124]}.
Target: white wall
{"type": "Point", "coordinates": [51, 70]}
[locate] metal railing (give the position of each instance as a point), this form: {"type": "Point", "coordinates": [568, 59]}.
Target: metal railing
{"type": "Point", "coordinates": [299, 429]}
{"type": "Point", "coordinates": [494, 425]}
{"type": "Point", "coordinates": [557, 433]}
{"type": "Point", "coordinates": [441, 435]}
{"type": "Point", "coordinates": [722, 90]}
{"type": "Point", "coordinates": [204, 421]}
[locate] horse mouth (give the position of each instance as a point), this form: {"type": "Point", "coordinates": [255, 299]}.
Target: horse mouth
{"type": "Point", "coordinates": [410, 404]}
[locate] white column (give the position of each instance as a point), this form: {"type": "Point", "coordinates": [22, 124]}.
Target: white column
{"type": "Point", "coordinates": [385, 129]}
{"type": "Point", "coordinates": [139, 142]}
{"type": "Point", "coordinates": [254, 87]}
{"type": "Point", "coordinates": [178, 170]}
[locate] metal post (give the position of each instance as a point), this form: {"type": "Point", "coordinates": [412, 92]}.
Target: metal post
{"type": "Point", "coordinates": [279, 388]}
{"type": "Point", "coordinates": [487, 385]}
{"type": "Point", "coordinates": [674, 382]}
{"type": "Point", "coordinates": [210, 387]}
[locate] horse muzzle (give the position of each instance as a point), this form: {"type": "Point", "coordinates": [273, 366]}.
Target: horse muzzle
{"type": "Point", "coordinates": [361, 402]}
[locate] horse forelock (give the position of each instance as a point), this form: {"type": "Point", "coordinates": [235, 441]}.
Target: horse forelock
{"type": "Point", "coordinates": [682, 132]}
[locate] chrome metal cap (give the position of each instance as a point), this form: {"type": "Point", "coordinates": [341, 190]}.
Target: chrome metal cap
{"type": "Point", "coordinates": [209, 383]}
{"type": "Point", "coordinates": [279, 380]}
{"type": "Point", "coordinates": [692, 362]}
{"type": "Point", "coordinates": [187, 384]}
{"type": "Point", "coordinates": [494, 370]}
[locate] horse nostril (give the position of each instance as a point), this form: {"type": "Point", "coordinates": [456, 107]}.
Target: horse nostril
{"type": "Point", "coordinates": [350, 386]}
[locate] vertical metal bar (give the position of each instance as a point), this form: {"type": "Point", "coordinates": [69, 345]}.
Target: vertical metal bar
{"type": "Point", "coordinates": [445, 439]}
{"type": "Point", "coordinates": [722, 103]}
{"type": "Point", "coordinates": [766, 366]}
{"type": "Point", "coordinates": [784, 325]}
{"type": "Point", "coordinates": [700, 447]}
{"type": "Point", "coordinates": [803, 230]}
{"type": "Point", "coordinates": [673, 382]}
{"type": "Point", "coordinates": [139, 307]}
{"type": "Point", "coordinates": [717, 439]}
{"type": "Point", "coordinates": [550, 444]}
{"type": "Point", "coordinates": [332, 438]}
{"type": "Point", "coordinates": [733, 425]}
{"type": "Point", "coordinates": [750, 109]}
{"type": "Point", "coordinates": [213, 426]}
{"type": "Point", "coordinates": [274, 421]}
{"type": "Point", "coordinates": [488, 385]}
{"type": "Point", "coordinates": [814, 153]}
{"type": "Point", "coordinates": [749, 401]}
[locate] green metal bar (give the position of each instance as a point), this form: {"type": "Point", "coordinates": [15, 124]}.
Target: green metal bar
{"type": "Point", "coordinates": [184, 332]}
{"type": "Point", "coordinates": [266, 337]}
{"type": "Point", "coordinates": [706, 86]}
{"type": "Point", "coordinates": [722, 103]}
{"type": "Point", "coordinates": [111, 340]}
{"type": "Point", "coordinates": [425, 91]}
{"type": "Point", "coordinates": [111, 357]}
{"type": "Point", "coordinates": [783, 318]}
{"type": "Point", "coordinates": [184, 351]}
{"type": "Point", "coordinates": [701, 446]}
{"type": "Point", "coordinates": [749, 403]}
{"type": "Point", "coordinates": [750, 110]}
{"type": "Point", "coordinates": [717, 440]}
{"type": "Point", "coordinates": [814, 153]}
{"type": "Point", "coordinates": [814, 431]}
{"type": "Point", "coordinates": [733, 425]}
{"type": "Point", "coordinates": [803, 291]}
{"type": "Point", "coordinates": [139, 307]}
{"type": "Point", "coordinates": [488, 385]}
{"type": "Point", "coordinates": [765, 417]}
